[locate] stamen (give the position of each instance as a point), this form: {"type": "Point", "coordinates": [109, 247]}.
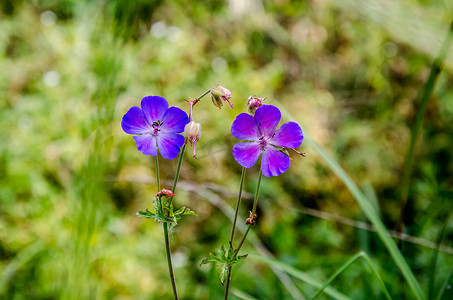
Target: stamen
{"type": "Point", "coordinates": [300, 153]}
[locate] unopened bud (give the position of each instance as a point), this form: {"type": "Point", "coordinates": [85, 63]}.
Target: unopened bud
{"type": "Point", "coordinates": [253, 102]}
{"type": "Point", "coordinates": [219, 94]}
{"type": "Point", "coordinates": [193, 131]}
{"type": "Point", "coordinates": [193, 134]}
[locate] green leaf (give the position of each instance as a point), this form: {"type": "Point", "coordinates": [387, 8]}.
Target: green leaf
{"type": "Point", "coordinates": [189, 212]}
{"type": "Point", "coordinates": [146, 214]}
{"type": "Point", "coordinates": [180, 211]}
{"type": "Point", "coordinates": [223, 260]}
{"type": "Point", "coordinates": [157, 206]}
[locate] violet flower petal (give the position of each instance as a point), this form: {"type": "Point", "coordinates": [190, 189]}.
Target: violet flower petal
{"type": "Point", "coordinates": [289, 135]}
{"type": "Point", "coordinates": [274, 162]}
{"type": "Point", "coordinates": [154, 107]}
{"type": "Point", "coordinates": [174, 120]}
{"type": "Point", "coordinates": [267, 118]}
{"type": "Point", "coordinates": [244, 128]}
{"type": "Point", "coordinates": [146, 144]}
{"type": "Point", "coordinates": [134, 122]}
{"type": "Point", "coordinates": [246, 154]}
{"type": "Point", "coordinates": [169, 144]}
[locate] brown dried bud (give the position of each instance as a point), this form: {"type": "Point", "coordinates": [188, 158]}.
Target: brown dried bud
{"type": "Point", "coordinates": [251, 219]}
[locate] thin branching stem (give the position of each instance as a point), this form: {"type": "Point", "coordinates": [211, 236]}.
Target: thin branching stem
{"type": "Point", "coordinates": [255, 202]}
{"type": "Point", "coordinates": [165, 225]}
{"type": "Point", "coordinates": [238, 203]}
{"type": "Point", "coordinates": [167, 241]}
{"type": "Point", "coordinates": [204, 94]}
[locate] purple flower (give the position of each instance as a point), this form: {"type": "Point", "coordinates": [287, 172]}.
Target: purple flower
{"type": "Point", "coordinates": [260, 130]}
{"type": "Point", "coordinates": [156, 126]}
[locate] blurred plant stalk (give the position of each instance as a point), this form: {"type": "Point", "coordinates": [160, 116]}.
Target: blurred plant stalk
{"type": "Point", "coordinates": [436, 69]}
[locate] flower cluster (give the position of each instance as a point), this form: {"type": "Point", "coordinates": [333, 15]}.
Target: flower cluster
{"type": "Point", "coordinates": [158, 127]}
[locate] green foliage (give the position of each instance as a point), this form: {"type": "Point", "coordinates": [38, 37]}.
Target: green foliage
{"type": "Point", "coordinates": [223, 260]}
{"type": "Point", "coordinates": [163, 212]}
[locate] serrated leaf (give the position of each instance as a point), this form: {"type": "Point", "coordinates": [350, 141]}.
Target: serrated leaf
{"type": "Point", "coordinates": [223, 273]}
{"type": "Point", "coordinates": [180, 211]}
{"type": "Point", "coordinates": [223, 260]}
{"type": "Point", "coordinates": [157, 206]}
{"type": "Point", "coordinates": [240, 257]}
{"type": "Point", "coordinates": [146, 214]}
{"type": "Point", "coordinates": [206, 260]}
{"type": "Point", "coordinates": [189, 212]}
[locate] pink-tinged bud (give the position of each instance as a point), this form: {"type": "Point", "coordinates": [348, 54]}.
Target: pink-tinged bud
{"type": "Point", "coordinates": [219, 94]}
{"type": "Point", "coordinates": [164, 192]}
{"type": "Point", "coordinates": [253, 102]}
{"type": "Point", "coordinates": [193, 134]}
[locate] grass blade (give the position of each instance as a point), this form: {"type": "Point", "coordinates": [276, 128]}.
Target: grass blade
{"type": "Point", "coordinates": [446, 289]}
{"type": "Point", "coordinates": [242, 295]}
{"type": "Point", "coordinates": [368, 210]}
{"type": "Point", "coordinates": [346, 265]}
{"type": "Point", "coordinates": [17, 262]}
{"type": "Point", "coordinates": [300, 275]}
{"type": "Point", "coordinates": [337, 273]}
{"type": "Point", "coordinates": [436, 68]}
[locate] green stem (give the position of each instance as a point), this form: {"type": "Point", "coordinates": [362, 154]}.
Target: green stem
{"type": "Point", "coordinates": [255, 202]}
{"type": "Point", "coordinates": [167, 241]}
{"type": "Point", "coordinates": [157, 173]}
{"type": "Point", "coordinates": [238, 203]}
{"type": "Point", "coordinates": [170, 266]}
{"type": "Point", "coordinates": [436, 68]}
{"type": "Point", "coordinates": [204, 94]}
{"type": "Point", "coordinates": [257, 192]}
{"type": "Point", "coordinates": [165, 225]}
{"type": "Point", "coordinates": [178, 170]}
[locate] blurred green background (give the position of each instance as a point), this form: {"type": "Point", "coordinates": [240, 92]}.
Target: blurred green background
{"type": "Point", "coordinates": [351, 73]}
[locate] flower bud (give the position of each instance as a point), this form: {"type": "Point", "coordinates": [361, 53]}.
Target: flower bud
{"type": "Point", "coordinates": [219, 94]}
{"type": "Point", "coordinates": [193, 134]}
{"type": "Point", "coordinates": [193, 131]}
{"type": "Point", "coordinates": [253, 102]}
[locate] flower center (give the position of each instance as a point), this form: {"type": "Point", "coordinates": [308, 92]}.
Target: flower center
{"type": "Point", "coordinates": [156, 127]}
{"type": "Point", "coordinates": [263, 143]}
